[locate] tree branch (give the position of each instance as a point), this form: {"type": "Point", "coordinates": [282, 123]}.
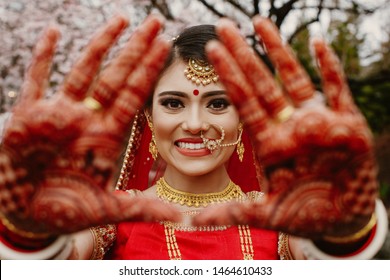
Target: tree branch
{"type": "Point", "coordinates": [211, 8]}
{"type": "Point", "coordinates": [256, 9]}
{"type": "Point", "coordinates": [283, 11]}
{"type": "Point", "coordinates": [304, 25]}
{"type": "Point", "coordinates": [163, 7]}
{"type": "Point", "coordinates": [239, 7]}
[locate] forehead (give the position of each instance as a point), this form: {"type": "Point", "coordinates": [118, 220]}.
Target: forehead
{"type": "Point", "coordinates": [174, 79]}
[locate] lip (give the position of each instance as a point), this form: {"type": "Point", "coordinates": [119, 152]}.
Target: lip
{"type": "Point", "coordinates": [190, 152]}
{"type": "Point", "coordinates": [190, 140]}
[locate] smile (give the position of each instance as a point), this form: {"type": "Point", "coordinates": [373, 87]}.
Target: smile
{"type": "Point", "coordinates": [190, 146]}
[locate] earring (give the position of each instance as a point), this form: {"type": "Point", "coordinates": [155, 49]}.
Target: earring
{"type": "Point", "coordinates": [152, 145]}
{"type": "Point", "coordinates": [240, 145]}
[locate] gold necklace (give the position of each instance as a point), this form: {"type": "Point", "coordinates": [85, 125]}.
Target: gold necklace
{"type": "Point", "coordinates": [166, 192]}
{"type": "Point", "coordinates": [174, 250]}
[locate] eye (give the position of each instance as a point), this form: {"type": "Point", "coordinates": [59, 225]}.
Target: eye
{"type": "Point", "coordinates": [172, 103]}
{"type": "Point", "coordinates": [218, 104]}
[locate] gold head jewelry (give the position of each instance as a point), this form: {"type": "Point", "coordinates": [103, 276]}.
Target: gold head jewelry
{"type": "Point", "coordinates": [200, 72]}
{"type": "Point", "coordinates": [152, 145]}
{"type": "Point", "coordinates": [168, 193]}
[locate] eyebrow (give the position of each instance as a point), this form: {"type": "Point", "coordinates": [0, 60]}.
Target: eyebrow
{"type": "Point", "coordinates": [185, 95]}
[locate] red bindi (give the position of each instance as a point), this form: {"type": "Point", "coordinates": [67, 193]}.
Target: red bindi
{"type": "Point", "coordinates": [195, 92]}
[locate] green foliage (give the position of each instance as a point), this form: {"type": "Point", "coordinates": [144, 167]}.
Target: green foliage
{"type": "Point", "coordinates": [373, 99]}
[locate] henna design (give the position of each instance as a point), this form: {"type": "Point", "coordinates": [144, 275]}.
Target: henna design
{"type": "Point", "coordinates": [58, 157]}
{"type": "Point", "coordinates": [127, 60]}
{"type": "Point", "coordinates": [295, 79]}
{"type": "Point", "coordinates": [259, 77]}
{"type": "Point", "coordinates": [319, 168]}
{"type": "Point", "coordinates": [83, 72]}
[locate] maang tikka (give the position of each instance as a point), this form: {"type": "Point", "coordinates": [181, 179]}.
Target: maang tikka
{"type": "Point", "coordinates": [200, 72]}
{"type": "Point", "coordinates": [152, 145]}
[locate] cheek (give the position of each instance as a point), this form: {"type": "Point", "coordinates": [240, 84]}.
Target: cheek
{"type": "Point", "coordinates": [163, 129]}
{"type": "Point", "coordinates": [230, 125]}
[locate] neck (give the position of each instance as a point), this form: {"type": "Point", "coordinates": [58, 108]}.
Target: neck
{"type": "Point", "coordinates": [215, 181]}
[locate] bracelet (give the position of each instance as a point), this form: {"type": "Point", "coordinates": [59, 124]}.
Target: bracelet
{"type": "Point", "coordinates": [59, 249]}
{"type": "Point", "coordinates": [283, 247]}
{"type": "Point", "coordinates": [353, 237]}
{"type": "Point", "coordinates": [312, 252]}
{"type": "Point", "coordinates": [22, 233]}
{"type": "Point", "coordinates": [103, 238]}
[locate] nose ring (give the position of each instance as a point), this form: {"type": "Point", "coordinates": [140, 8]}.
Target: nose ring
{"type": "Point", "coordinates": [213, 144]}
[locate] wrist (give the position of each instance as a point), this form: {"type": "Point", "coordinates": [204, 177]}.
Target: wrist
{"type": "Point", "coordinates": [360, 246]}
{"type": "Point", "coordinates": [21, 239]}
{"type": "Point", "coordinates": [17, 244]}
{"type": "Point", "coordinates": [350, 244]}
{"type": "Point", "coordinates": [358, 236]}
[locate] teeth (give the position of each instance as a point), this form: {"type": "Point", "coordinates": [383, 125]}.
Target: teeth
{"type": "Point", "coordinates": [191, 146]}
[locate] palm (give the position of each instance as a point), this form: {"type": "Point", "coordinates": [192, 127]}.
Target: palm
{"type": "Point", "coordinates": [318, 163]}
{"type": "Point", "coordinates": [58, 155]}
{"type": "Point", "coordinates": [319, 173]}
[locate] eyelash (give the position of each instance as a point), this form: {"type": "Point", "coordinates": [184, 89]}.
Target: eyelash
{"type": "Point", "coordinates": [220, 101]}
{"type": "Point", "coordinates": [218, 104]}
{"type": "Point", "coordinates": [169, 101]}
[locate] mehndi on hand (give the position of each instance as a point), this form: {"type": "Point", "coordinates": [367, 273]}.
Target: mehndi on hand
{"type": "Point", "coordinates": [59, 155]}
{"type": "Point", "coordinates": [319, 167]}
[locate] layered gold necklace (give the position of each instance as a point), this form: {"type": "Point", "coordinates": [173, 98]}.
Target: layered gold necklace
{"type": "Point", "coordinates": [231, 192]}
{"type": "Point", "coordinates": [167, 193]}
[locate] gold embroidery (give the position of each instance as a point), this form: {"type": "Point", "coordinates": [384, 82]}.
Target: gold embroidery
{"type": "Point", "coordinates": [283, 247]}
{"type": "Point", "coordinates": [103, 239]}
{"type": "Point", "coordinates": [175, 254]}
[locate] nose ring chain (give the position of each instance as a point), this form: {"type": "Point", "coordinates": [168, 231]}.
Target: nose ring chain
{"type": "Point", "coordinates": [213, 144]}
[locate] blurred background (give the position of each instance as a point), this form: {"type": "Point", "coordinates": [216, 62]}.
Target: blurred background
{"type": "Point", "coordinates": [358, 30]}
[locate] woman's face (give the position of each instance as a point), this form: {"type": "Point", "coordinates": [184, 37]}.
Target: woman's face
{"type": "Point", "coordinates": [181, 110]}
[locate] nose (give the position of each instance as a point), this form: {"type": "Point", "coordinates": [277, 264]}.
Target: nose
{"type": "Point", "coordinates": [194, 121]}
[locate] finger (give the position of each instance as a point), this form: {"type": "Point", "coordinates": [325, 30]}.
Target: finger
{"type": "Point", "coordinates": [237, 87]}
{"type": "Point", "coordinates": [38, 72]}
{"type": "Point", "coordinates": [115, 75]}
{"type": "Point", "coordinates": [334, 84]}
{"type": "Point", "coordinates": [143, 209]}
{"type": "Point", "coordinates": [83, 72]}
{"type": "Point", "coordinates": [227, 214]}
{"type": "Point", "coordinates": [295, 79]}
{"type": "Point", "coordinates": [140, 82]}
{"type": "Point", "coordinates": [261, 79]}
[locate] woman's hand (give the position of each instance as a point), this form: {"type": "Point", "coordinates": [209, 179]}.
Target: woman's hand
{"type": "Point", "coordinates": [320, 173]}
{"type": "Point", "coordinates": [59, 154]}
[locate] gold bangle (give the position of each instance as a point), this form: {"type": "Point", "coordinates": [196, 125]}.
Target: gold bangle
{"type": "Point", "coordinates": [103, 238]}
{"type": "Point", "coordinates": [355, 236]}
{"type": "Point", "coordinates": [284, 247]}
{"type": "Point", "coordinates": [22, 233]}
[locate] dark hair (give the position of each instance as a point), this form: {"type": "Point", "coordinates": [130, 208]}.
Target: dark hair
{"type": "Point", "coordinates": [190, 43]}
